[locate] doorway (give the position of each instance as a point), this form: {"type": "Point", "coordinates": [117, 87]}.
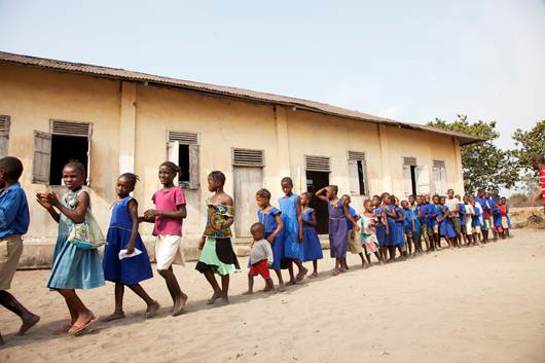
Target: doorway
{"type": "Point", "coordinates": [316, 180]}
{"type": "Point", "coordinates": [66, 148]}
{"type": "Point", "coordinates": [247, 181]}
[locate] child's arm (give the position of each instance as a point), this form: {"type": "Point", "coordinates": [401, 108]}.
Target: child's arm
{"type": "Point", "coordinates": [321, 194]}
{"type": "Point", "coordinates": [8, 212]}
{"type": "Point", "coordinates": [42, 200]}
{"type": "Point", "coordinates": [133, 212]}
{"type": "Point", "coordinates": [313, 221]}
{"type": "Point", "coordinates": [269, 253]}
{"type": "Point", "coordinates": [278, 229]}
{"type": "Point", "coordinates": [179, 214]}
{"type": "Point", "coordinates": [299, 219]}
{"type": "Point", "coordinates": [76, 215]}
{"type": "Point", "coordinates": [350, 218]}
{"type": "Point", "coordinates": [385, 222]}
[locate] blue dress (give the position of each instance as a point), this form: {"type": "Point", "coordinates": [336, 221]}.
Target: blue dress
{"type": "Point", "coordinates": [73, 267]}
{"type": "Point", "coordinates": [268, 219]}
{"type": "Point", "coordinates": [399, 232]}
{"type": "Point", "coordinates": [392, 236]}
{"type": "Point", "coordinates": [338, 230]}
{"type": "Point", "coordinates": [435, 210]}
{"type": "Point", "coordinates": [128, 271]}
{"type": "Point", "coordinates": [380, 228]}
{"type": "Point", "coordinates": [312, 248]}
{"type": "Point", "coordinates": [446, 229]}
{"type": "Point", "coordinates": [293, 248]}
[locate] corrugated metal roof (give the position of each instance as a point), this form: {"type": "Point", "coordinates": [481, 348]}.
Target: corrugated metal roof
{"type": "Point", "coordinates": [225, 91]}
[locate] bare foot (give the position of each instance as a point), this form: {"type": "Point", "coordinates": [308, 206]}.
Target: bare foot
{"type": "Point", "coordinates": [268, 289]}
{"type": "Point", "coordinates": [291, 282]}
{"type": "Point", "coordinates": [224, 300]}
{"type": "Point", "coordinates": [301, 275]}
{"type": "Point", "coordinates": [281, 287]}
{"type": "Point", "coordinates": [115, 316]}
{"type": "Point", "coordinates": [215, 296]}
{"type": "Point", "coordinates": [248, 292]}
{"type": "Point", "coordinates": [179, 305]}
{"type": "Point", "coordinates": [28, 323]}
{"type": "Point", "coordinates": [152, 309]}
{"type": "Point", "coordinates": [313, 275]}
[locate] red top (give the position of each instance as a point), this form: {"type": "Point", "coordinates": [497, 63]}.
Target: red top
{"type": "Point", "coordinates": [168, 200]}
{"type": "Point", "coordinates": [542, 182]}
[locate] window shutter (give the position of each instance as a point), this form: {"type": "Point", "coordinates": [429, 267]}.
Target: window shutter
{"type": "Point", "coordinates": [354, 177]}
{"type": "Point", "coordinates": [356, 155]}
{"type": "Point", "coordinates": [4, 135]}
{"type": "Point", "coordinates": [70, 128]}
{"type": "Point", "coordinates": [422, 180]}
{"type": "Point", "coordinates": [407, 182]}
{"type": "Point", "coordinates": [249, 158]}
{"type": "Point", "coordinates": [409, 161]}
{"type": "Point", "coordinates": [184, 138]}
{"type": "Point", "coordinates": [194, 167]}
{"type": "Point", "coordinates": [42, 157]}
{"type": "Point", "coordinates": [317, 163]}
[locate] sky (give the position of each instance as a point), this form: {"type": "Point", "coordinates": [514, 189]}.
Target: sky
{"type": "Point", "coordinates": [407, 60]}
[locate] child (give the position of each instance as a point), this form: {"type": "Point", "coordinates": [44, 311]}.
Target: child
{"type": "Point", "coordinates": [261, 257]}
{"type": "Point", "coordinates": [73, 267]}
{"type": "Point", "coordinates": [503, 223]}
{"type": "Point", "coordinates": [270, 217]}
{"type": "Point", "coordinates": [476, 220]}
{"type": "Point", "coordinates": [435, 210]}
{"type": "Point", "coordinates": [290, 206]}
{"type": "Point", "coordinates": [312, 248]}
{"type": "Point", "coordinates": [381, 226]}
{"type": "Point", "coordinates": [123, 234]}
{"type": "Point", "coordinates": [391, 240]}
{"type": "Point", "coordinates": [217, 255]}
{"type": "Point", "coordinates": [409, 226]}
{"type": "Point", "coordinates": [400, 242]}
{"type": "Point", "coordinates": [368, 233]}
{"type": "Point", "coordinates": [446, 228]}
{"type": "Point", "coordinates": [168, 218]}
{"type": "Point", "coordinates": [462, 235]}
{"type": "Point", "coordinates": [14, 221]}
{"type": "Point", "coordinates": [354, 245]}
{"type": "Point", "coordinates": [422, 216]}
{"type": "Point", "coordinates": [467, 219]}
{"type": "Point", "coordinates": [338, 226]}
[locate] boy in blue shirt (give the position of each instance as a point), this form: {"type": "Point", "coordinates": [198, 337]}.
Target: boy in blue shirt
{"type": "Point", "coordinates": [14, 221]}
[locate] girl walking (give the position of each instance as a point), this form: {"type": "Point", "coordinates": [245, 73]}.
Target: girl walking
{"type": "Point", "coordinates": [217, 255]}
{"type": "Point", "coordinates": [123, 236]}
{"type": "Point", "coordinates": [368, 232]}
{"type": "Point", "coordinates": [75, 265]}
{"type": "Point", "coordinates": [312, 248]}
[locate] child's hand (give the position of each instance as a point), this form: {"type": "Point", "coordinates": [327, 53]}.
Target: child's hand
{"type": "Point", "coordinates": [301, 236]}
{"type": "Point", "coordinates": [357, 228]}
{"type": "Point", "coordinates": [130, 248]}
{"type": "Point", "coordinates": [270, 239]}
{"type": "Point", "coordinates": [52, 199]}
{"type": "Point", "coordinates": [201, 243]}
{"type": "Point", "coordinates": [150, 214]}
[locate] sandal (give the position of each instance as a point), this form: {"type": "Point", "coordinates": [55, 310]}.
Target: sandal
{"type": "Point", "coordinates": [80, 328]}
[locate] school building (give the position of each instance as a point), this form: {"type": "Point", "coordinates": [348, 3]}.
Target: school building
{"type": "Point", "coordinates": [116, 121]}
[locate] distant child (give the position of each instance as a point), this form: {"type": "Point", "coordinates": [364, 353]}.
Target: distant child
{"type": "Point", "coordinates": [354, 244]}
{"type": "Point", "coordinates": [74, 267]}
{"type": "Point", "coordinates": [217, 254]}
{"type": "Point", "coordinates": [400, 242]}
{"type": "Point", "coordinates": [338, 226]}
{"type": "Point", "coordinates": [446, 228]}
{"type": "Point", "coordinates": [381, 226]}
{"type": "Point", "coordinates": [271, 219]}
{"type": "Point", "coordinates": [123, 235]}
{"type": "Point", "coordinates": [14, 221]}
{"type": "Point", "coordinates": [504, 223]}
{"type": "Point", "coordinates": [368, 232]}
{"type": "Point", "coordinates": [312, 248]}
{"type": "Point", "coordinates": [411, 227]}
{"type": "Point", "coordinates": [290, 206]}
{"type": "Point", "coordinates": [467, 218]}
{"type": "Point", "coordinates": [167, 217]}
{"type": "Point", "coordinates": [422, 215]}
{"type": "Point", "coordinates": [392, 241]}
{"type": "Point", "coordinates": [462, 234]}
{"type": "Point", "coordinates": [476, 220]}
{"type": "Point", "coordinates": [434, 211]}
{"type": "Point", "coordinates": [261, 257]}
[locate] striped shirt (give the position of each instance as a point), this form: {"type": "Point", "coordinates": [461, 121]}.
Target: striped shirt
{"type": "Point", "coordinates": [542, 182]}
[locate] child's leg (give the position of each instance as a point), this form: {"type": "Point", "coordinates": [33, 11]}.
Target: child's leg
{"type": "Point", "coordinates": [392, 251]}
{"type": "Point", "coordinates": [269, 285]}
{"type": "Point", "coordinates": [280, 279]}
{"type": "Point", "coordinates": [12, 304]}
{"type": "Point", "coordinates": [153, 306]}
{"type": "Point", "coordinates": [363, 260]}
{"type": "Point", "coordinates": [225, 288]}
{"type": "Point", "coordinates": [302, 270]}
{"type": "Point", "coordinates": [178, 297]}
{"type": "Point", "coordinates": [80, 313]}
{"type": "Point", "coordinates": [250, 285]}
{"type": "Point", "coordinates": [315, 268]}
{"type": "Point", "coordinates": [292, 275]}
{"type": "Point", "coordinates": [212, 281]}
{"type": "Point", "coordinates": [437, 240]}
{"type": "Point", "coordinates": [118, 311]}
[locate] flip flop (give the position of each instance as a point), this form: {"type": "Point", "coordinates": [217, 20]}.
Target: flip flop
{"type": "Point", "coordinates": [80, 328]}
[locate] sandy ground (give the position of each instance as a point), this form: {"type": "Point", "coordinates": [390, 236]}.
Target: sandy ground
{"type": "Point", "coordinates": [470, 305]}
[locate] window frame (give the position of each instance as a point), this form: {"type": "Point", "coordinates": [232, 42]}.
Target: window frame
{"type": "Point", "coordinates": [353, 157]}
{"type": "Point", "coordinates": [4, 134]}
{"type": "Point", "coordinates": [176, 138]}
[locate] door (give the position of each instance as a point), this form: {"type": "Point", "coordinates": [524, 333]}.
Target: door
{"type": "Point", "coordinates": [316, 180]}
{"type": "Point", "coordinates": [247, 182]}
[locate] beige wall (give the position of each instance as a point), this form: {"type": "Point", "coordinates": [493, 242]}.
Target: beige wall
{"type": "Point", "coordinates": [32, 97]}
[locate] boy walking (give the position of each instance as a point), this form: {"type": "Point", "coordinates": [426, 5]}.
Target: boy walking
{"type": "Point", "coordinates": [14, 220]}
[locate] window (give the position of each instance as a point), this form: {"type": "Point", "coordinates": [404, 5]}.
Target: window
{"type": "Point", "coordinates": [439, 177]}
{"type": "Point", "coordinates": [357, 171]}
{"type": "Point", "coordinates": [67, 141]}
{"type": "Point", "coordinates": [317, 163]}
{"type": "Point", "coordinates": [4, 135]}
{"type": "Point", "coordinates": [183, 150]}
{"type": "Point", "coordinates": [410, 175]}
{"type": "Point", "coordinates": [248, 158]}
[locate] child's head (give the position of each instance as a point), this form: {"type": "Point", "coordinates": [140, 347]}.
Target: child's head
{"type": "Point", "coordinates": [427, 198]}
{"type": "Point", "coordinates": [471, 200]}
{"type": "Point", "coordinates": [538, 161]}
{"type": "Point", "coordinates": [418, 199]}
{"type": "Point", "coordinates": [11, 170]}
{"type": "Point", "coordinates": [503, 200]}
{"type": "Point", "coordinates": [167, 172]}
{"type": "Point", "coordinates": [73, 175]}
{"type": "Point", "coordinates": [332, 191]}
{"type": "Point", "coordinates": [287, 185]}
{"type": "Point", "coordinates": [442, 199]}
{"type": "Point", "coordinates": [436, 199]}
{"type": "Point", "coordinates": [125, 184]}
{"type": "Point", "coordinates": [487, 195]}
{"type": "Point", "coordinates": [412, 199]}
{"type": "Point", "coordinates": [457, 196]}
{"type": "Point", "coordinates": [405, 204]}
{"type": "Point", "coordinates": [465, 199]}
{"type": "Point", "coordinates": [216, 181]}
{"type": "Point", "coordinates": [346, 199]}
{"type": "Point", "coordinates": [368, 205]}
{"type": "Point", "coordinates": [306, 197]}
{"type": "Point", "coordinates": [377, 201]}
{"type": "Point", "coordinates": [386, 198]}
{"type": "Point", "coordinates": [395, 200]}
{"type": "Point", "coordinates": [258, 231]}
{"type": "Point", "coordinates": [450, 193]}
{"type": "Point", "coordinates": [263, 198]}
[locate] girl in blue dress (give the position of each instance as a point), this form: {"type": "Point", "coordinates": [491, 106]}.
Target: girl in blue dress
{"type": "Point", "coordinates": [381, 226]}
{"type": "Point", "coordinates": [123, 235]}
{"type": "Point", "coordinates": [446, 228]}
{"type": "Point", "coordinates": [73, 267]}
{"type": "Point", "coordinates": [434, 210]}
{"type": "Point", "coordinates": [312, 248]}
{"type": "Point", "coordinates": [290, 206]}
{"type": "Point", "coordinates": [400, 242]}
{"type": "Point", "coordinates": [391, 214]}
{"type": "Point", "coordinates": [271, 218]}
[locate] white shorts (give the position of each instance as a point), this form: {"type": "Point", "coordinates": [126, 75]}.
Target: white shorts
{"type": "Point", "coordinates": [168, 251]}
{"type": "Point", "coordinates": [469, 229]}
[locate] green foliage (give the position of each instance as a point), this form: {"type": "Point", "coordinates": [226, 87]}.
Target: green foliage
{"type": "Point", "coordinates": [527, 145]}
{"type": "Point", "coordinates": [484, 164]}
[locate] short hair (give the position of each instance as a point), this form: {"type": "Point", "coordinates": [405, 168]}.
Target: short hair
{"type": "Point", "coordinates": [539, 159]}
{"type": "Point", "coordinates": [218, 177]}
{"type": "Point", "coordinates": [306, 195]}
{"type": "Point", "coordinates": [12, 167]}
{"type": "Point", "coordinates": [256, 226]}
{"type": "Point", "coordinates": [334, 188]}
{"type": "Point", "coordinates": [78, 166]}
{"type": "Point", "coordinates": [171, 166]}
{"type": "Point", "coordinates": [263, 193]}
{"type": "Point", "coordinates": [131, 178]}
{"type": "Point", "coordinates": [286, 179]}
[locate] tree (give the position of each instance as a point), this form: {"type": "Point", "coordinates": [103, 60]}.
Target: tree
{"type": "Point", "coordinates": [527, 145]}
{"type": "Point", "coordinates": [484, 164]}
